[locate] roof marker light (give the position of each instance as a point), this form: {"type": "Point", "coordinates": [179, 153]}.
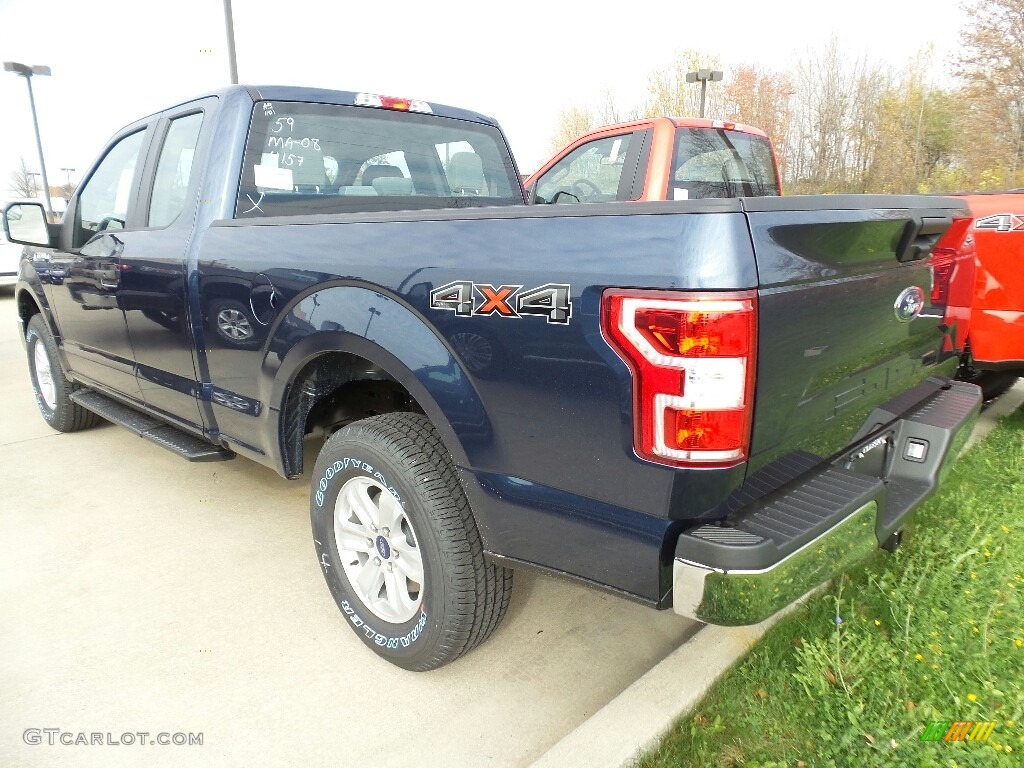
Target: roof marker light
{"type": "Point", "coordinates": [392, 102]}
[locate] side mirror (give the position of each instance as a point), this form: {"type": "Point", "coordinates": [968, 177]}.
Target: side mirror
{"type": "Point", "coordinates": [25, 224]}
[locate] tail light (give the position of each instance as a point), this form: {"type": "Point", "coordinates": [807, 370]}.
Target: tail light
{"type": "Point", "coordinates": [953, 271]}
{"type": "Point", "coordinates": [692, 360]}
{"type": "Point", "coordinates": [956, 245]}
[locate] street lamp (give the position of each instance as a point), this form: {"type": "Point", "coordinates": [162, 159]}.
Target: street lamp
{"type": "Point", "coordinates": [68, 171]}
{"type": "Point", "coordinates": [32, 179]}
{"type": "Point", "coordinates": [229, 25]}
{"type": "Point", "coordinates": [26, 71]}
{"type": "Point", "coordinates": [703, 75]}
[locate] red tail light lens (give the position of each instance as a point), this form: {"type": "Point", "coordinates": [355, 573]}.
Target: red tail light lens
{"type": "Point", "coordinates": [956, 245]}
{"type": "Point", "coordinates": [692, 359]}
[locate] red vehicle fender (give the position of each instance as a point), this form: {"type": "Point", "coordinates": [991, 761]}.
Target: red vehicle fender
{"type": "Point", "coordinates": [997, 316]}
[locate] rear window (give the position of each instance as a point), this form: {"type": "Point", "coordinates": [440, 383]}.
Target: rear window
{"type": "Point", "coordinates": [304, 158]}
{"type": "Point", "coordinates": [714, 162]}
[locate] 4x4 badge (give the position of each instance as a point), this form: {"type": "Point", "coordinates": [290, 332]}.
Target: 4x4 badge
{"type": "Point", "coordinates": [550, 301]}
{"type": "Point", "coordinates": [1001, 222]}
{"type": "Point", "coordinates": [909, 304]}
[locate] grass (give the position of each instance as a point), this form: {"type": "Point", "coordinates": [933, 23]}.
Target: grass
{"type": "Point", "coordinates": [932, 632]}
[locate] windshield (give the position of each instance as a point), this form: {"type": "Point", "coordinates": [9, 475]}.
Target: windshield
{"type": "Point", "coordinates": [304, 158]}
{"type": "Point", "coordinates": [714, 162]}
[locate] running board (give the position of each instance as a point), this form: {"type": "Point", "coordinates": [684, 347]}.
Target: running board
{"type": "Point", "coordinates": [183, 444]}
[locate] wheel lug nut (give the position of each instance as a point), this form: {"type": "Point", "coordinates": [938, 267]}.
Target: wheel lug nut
{"type": "Point", "coordinates": [373, 528]}
{"type": "Point", "coordinates": [376, 561]}
{"type": "Point", "coordinates": [385, 531]}
{"type": "Point", "coordinates": [394, 554]}
{"type": "Point", "coordinates": [390, 567]}
{"type": "Point", "coordinates": [369, 542]}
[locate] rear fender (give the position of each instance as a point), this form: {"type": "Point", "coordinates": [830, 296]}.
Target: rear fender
{"type": "Point", "coordinates": [392, 337]}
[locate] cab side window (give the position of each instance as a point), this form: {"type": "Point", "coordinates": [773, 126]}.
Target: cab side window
{"type": "Point", "coordinates": [174, 170]}
{"type": "Point", "coordinates": [103, 203]}
{"type": "Point", "coordinates": [591, 173]}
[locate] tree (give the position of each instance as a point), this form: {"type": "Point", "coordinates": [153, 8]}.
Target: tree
{"type": "Point", "coordinates": [573, 122]}
{"type": "Point", "coordinates": [914, 133]}
{"type": "Point", "coordinates": [991, 65]}
{"type": "Point", "coordinates": [23, 180]}
{"type": "Point", "coordinates": [762, 99]}
{"type": "Point", "coordinates": [826, 84]}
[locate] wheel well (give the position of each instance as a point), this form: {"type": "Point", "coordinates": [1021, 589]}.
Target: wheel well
{"type": "Point", "coordinates": [330, 391]}
{"type": "Point", "coordinates": [26, 308]}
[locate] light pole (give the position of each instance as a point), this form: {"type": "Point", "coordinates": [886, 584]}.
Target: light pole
{"type": "Point", "coordinates": [32, 177]}
{"type": "Point", "coordinates": [229, 23]}
{"type": "Point", "coordinates": [703, 75]}
{"type": "Point", "coordinates": [67, 187]}
{"type": "Point", "coordinates": [26, 71]}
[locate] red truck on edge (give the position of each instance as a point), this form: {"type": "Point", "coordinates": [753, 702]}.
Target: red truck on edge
{"type": "Point", "coordinates": [996, 339]}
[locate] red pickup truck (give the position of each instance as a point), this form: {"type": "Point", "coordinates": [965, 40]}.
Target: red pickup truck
{"type": "Point", "coordinates": [660, 158]}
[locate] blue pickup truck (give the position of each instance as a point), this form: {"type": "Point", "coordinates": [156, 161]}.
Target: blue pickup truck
{"type": "Point", "coordinates": [708, 405]}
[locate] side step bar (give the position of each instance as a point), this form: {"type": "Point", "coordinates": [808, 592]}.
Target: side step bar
{"type": "Point", "coordinates": [187, 446]}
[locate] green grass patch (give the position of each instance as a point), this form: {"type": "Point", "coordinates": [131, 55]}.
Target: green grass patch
{"type": "Point", "coordinates": [933, 632]}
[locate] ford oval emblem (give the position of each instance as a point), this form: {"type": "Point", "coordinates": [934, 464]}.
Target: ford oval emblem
{"type": "Point", "coordinates": [909, 304]}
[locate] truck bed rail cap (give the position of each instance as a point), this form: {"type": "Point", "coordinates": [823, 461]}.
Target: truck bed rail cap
{"type": "Point", "coordinates": [850, 202]}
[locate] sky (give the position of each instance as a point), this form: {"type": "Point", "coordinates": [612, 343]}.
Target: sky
{"type": "Point", "coordinates": [114, 61]}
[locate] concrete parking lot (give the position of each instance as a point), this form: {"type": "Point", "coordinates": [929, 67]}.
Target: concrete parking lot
{"type": "Point", "coordinates": [141, 593]}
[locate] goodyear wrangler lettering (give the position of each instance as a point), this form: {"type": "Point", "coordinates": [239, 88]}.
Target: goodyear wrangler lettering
{"type": "Point", "coordinates": [343, 464]}
{"type": "Point", "coordinates": [382, 640]}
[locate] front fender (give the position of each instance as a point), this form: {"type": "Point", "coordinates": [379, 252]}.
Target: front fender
{"type": "Point", "coordinates": [393, 337]}
{"type": "Point", "coordinates": [30, 298]}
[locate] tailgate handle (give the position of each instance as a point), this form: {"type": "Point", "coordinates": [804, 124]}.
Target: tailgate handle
{"type": "Point", "coordinates": [920, 236]}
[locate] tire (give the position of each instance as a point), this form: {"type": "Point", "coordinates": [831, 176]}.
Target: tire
{"type": "Point", "coordinates": [993, 383]}
{"type": "Point", "coordinates": [52, 389]}
{"type": "Point", "coordinates": [410, 579]}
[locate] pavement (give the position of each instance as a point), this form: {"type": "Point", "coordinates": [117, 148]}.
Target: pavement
{"type": "Point", "coordinates": [143, 594]}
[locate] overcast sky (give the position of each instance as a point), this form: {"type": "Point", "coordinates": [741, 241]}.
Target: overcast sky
{"type": "Point", "coordinates": [114, 61]}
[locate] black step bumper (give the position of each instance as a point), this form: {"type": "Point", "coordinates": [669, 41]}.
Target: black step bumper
{"type": "Point", "coordinates": [824, 517]}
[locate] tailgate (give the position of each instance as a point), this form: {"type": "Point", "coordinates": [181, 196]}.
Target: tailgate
{"type": "Point", "coordinates": [844, 321]}
{"type": "Point", "coordinates": [855, 421]}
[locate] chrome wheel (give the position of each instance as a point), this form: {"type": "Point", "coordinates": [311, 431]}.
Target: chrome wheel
{"type": "Point", "coordinates": [44, 375]}
{"type": "Point", "coordinates": [233, 324]}
{"type": "Point", "coordinates": [378, 550]}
